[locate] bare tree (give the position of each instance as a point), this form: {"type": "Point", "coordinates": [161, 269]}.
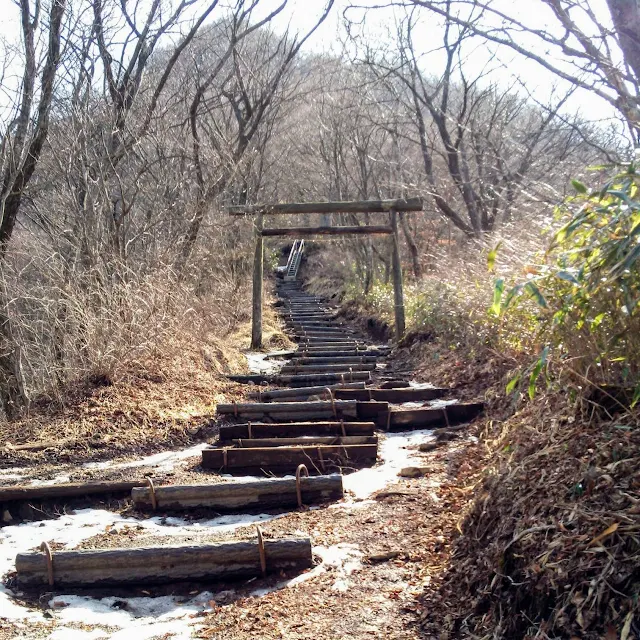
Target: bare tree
{"type": "Point", "coordinates": [250, 96]}
{"type": "Point", "coordinates": [569, 38]}
{"type": "Point", "coordinates": [21, 146]}
{"type": "Point", "coordinates": [484, 138]}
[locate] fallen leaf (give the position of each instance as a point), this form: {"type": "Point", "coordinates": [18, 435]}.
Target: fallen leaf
{"type": "Point", "coordinates": [607, 532]}
{"type": "Point", "coordinates": [626, 630]}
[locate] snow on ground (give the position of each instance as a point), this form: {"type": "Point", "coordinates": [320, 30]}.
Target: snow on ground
{"type": "Point", "coordinates": [395, 455]}
{"type": "Point", "coordinates": [164, 461]}
{"type": "Point", "coordinates": [143, 617]}
{"type": "Point", "coordinates": [260, 363]}
{"type": "Point", "coordinates": [59, 479]}
{"type": "Point", "coordinates": [342, 559]}
{"type": "Point", "coordinates": [15, 473]}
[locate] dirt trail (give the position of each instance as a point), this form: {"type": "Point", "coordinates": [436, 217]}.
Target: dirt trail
{"type": "Point", "coordinates": [375, 551]}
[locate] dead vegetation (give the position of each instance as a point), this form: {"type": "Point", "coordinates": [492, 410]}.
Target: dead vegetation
{"type": "Point", "coordinates": [550, 545]}
{"type": "Point", "coordinates": [157, 402]}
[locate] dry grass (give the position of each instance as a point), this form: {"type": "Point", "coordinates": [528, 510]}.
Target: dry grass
{"type": "Point", "coordinates": [159, 395]}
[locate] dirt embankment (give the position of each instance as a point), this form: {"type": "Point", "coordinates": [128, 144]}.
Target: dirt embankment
{"type": "Point", "coordinates": [549, 545]}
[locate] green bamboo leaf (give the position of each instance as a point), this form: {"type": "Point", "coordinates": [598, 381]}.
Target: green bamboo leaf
{"type": "Point", "coordinates": [578, 186]}
{"type": "Point", "coordinates": [498, 290]}
{"type": "Point", "coordinates": [512, 384]}
{"type": "Point", "coordinates": [513, 292]}
{"type": "Point", "coordinates": [565, 275]}
{"type": "Point", "coordinates": [535, 374]}
{"type": "Point", "coordinates": [534, 292]}
{"type": "Point", "coordinates": [491, 258]}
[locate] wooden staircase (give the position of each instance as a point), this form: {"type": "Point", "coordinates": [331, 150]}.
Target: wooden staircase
{"type": "Point", "coordinates": [293, 263]}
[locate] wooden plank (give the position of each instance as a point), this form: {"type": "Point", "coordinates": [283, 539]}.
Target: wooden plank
{"type": "Point", "coordinates": [322, 352]}
{"type": "Point", "coordinates": [291, 411]}
{"type": "Point", "coordinates": [318, 459]}
{"type": "Point", "coordinates": [360, 206]}
{"type": "Point", "coordinates": [327, 368]}
{"type": "Point", "coordinates": [354, 359]}
{"type": "Point", "coordinates": [158, 565]}
{"type": "Point", "coordinates": [375, 411]}
{"type": "Point", "coordinates": [302, 379]}
{"type": "Point", "coordinates": [67, 490]}
{"type": "Point", "coordinates": [238, 407]}
{"type": "Point", "coordinates": [391, 395]}
{"type": "Point", "coordinates": [430, 418]}
{"type": "Point", "coordinates": [226, 497]}
{"type": "Point", "coordinates": [302, 441]}
{"type": "Point", "coordinates": [301, 392]}
{"type": "Point", "coordinates": [339, 353]}
{"type": "Point", "coordinates": [230, 432]}
{"type": "Point", "coordinates": [328, 231]}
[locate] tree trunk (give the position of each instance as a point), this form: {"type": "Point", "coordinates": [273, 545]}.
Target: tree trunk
{"type": "Point", "coordinates": [626, 18]}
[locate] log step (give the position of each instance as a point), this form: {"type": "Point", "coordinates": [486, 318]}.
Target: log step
{"type": "Point", "coordinates": [321, 352]}
{"type": "Point", "coordinates": [295, 430]}
{"type": "Point", "coordinates": [225, 497]}
{"type": "Point", "coordinates": [354, 359]}
{"type": "Point", "coordinates": [390, 395]}
{"type": "Point", "coordinates": [67, 490]}
{"type": "Point", "coordinates": [319, 459]}
{"type": "Point", "coordinates": [288, 395]}
{"type": "Point", "coordinates": [327, 368]}
{"type": "Point", "coordinates": [339, 353]}
{"type": "Point", "coordinates": [303, 441]}
{"type": "Point", "coordinates": [291, 411]}
{"type": "Point", "coordinates": [158, 565]}
{"type": "Point", "coordinates": [303, 379]}
{"type": "Point", "coordinates": [452, 414]}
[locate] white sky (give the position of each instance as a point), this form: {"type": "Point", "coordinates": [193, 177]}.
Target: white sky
{"type": "Point", "coordinates": [300, 15]}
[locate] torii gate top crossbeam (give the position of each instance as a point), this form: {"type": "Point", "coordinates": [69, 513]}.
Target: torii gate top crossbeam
{"type": "Point", "coordinates": [357, 206]}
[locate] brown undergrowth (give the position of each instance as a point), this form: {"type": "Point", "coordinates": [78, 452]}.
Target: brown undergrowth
{"type": "Point", "coordinates": [549, 546]}
{"type": "Point", "coordinates": [153, 405]}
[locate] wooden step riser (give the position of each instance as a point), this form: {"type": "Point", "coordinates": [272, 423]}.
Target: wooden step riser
{"type": "Point", "coordinates": [326, 368]}
{"type": "Point", "coordinates": [304, 360]}
{"type": "Point", "coordinates": [391, 395]}
{"type": "Point", "coordinates": [288, 395]}
{"type": "Point", "coordinates": [339, 353]}
{"type": "Point", "coordinates": [319, 459]}
{"type": "Point", "coordinates": [303, 442]}
{"type": "Point", "coordinates": [158, 565]}
{"type": "Point", "coordinates": [403, 420]}
{"type": "Point", "coordinates": [230, 497]}
{"type": "Point", "coordinates": [295, 430]}
{"type": "Point", "coordinates": [302, 380]}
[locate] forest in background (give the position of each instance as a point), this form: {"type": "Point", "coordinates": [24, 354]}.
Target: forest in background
{"type": "Point", "coordinates": [130, 128]}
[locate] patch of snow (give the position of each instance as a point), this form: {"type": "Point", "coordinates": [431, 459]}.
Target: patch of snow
{"type": "Point", "coordinates": [260, 363]}
{"type": "Point", "coordinates": [164, 461]}
{"type": "Point", "coordinates": [14, 473]}
{"type": "Point", "coordinates": [61, 479]}
{"type": "Point", "coordinates": [395, 455]}
{"type": "Point", "coordinates": [143, 617]}
{"type": "Point", "coordinates": [179, 526]}
{"type": "Point", "coordinates": [342, 559]}
{"type": "Point", "coordinates": [439, 404]}
{"type": "Point", "coordinates": [421, 385]}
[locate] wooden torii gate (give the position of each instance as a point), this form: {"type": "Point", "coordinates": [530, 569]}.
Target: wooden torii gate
{"type": "Point", "coordinates": [392, 207]}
